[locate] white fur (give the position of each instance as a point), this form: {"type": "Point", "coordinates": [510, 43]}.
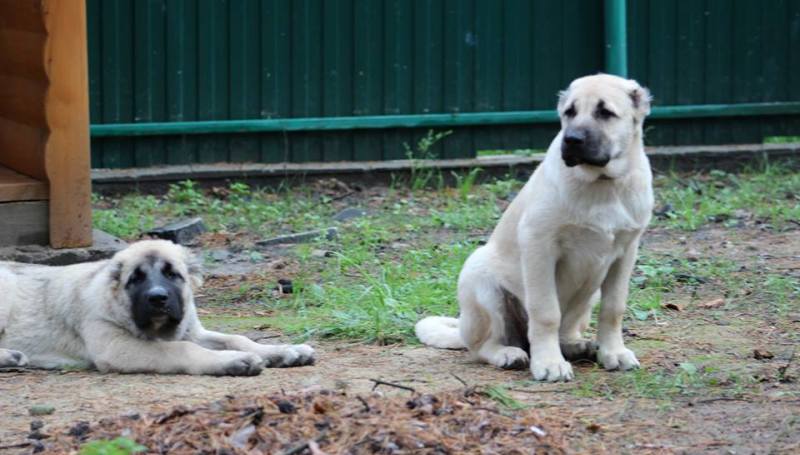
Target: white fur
{"type": "Point", "coordinates": [440, 332]}
{"type": "Point", "coordinates": [570, 235]}
{"type": "Point", "coordinates": [80, 315]}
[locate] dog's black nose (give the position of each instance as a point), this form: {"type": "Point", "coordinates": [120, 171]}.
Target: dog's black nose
{"type": "Point", "coordinates": [574, 137]}
{"type": "Point", "coordinates": [157, 296]}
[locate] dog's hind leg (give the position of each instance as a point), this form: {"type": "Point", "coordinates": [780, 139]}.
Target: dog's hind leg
{"type": "Point", "coordinates": [490, 330]}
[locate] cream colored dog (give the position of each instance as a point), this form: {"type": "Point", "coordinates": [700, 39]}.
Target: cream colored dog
{"type": "Point", "coordinates": [570, 236]}
{"type": "Point", "coordinates": [133, 313]}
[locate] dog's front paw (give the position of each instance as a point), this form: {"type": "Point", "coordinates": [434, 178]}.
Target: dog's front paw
{"type": "Point", "coordinates": [510, 358]}
{"type": "Point", "coordinates": [294, 355]}
{"type": "Point", "coordinates": [614, 359]}
{"type": "Point", "coordinates": [11, 358]}
{"type": "Point", "coordinates": [551, 370]}
{"type": "Point", "coordinates": [241, 364]}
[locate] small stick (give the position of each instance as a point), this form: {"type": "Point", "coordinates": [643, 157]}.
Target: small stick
{"type": "Point", "coordinates": [391, 384]}
{"type": "Point", "coordinates": [15, 446]}
{"type": "Point", "coordinates": [301, 447]}
{"type": "Point", "coordinates": [711, 400]}
{"type": "Point", "coordinates": [460, 380]}
{"type": "Point", "coordinates": [364, 402]}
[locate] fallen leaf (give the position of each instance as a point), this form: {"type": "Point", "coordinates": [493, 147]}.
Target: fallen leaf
{"type": "Point", "coordinates": [762, 354]}
{"type": "Point", "coordinates": [594, 428]}
{"type": "Point", "coordinates": [716, 303]}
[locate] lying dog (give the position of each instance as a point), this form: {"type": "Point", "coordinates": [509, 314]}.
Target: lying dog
{"type": "Point", "coordinates": [133, 313]}
{"type": "Point", "coordinates": [570, 236]}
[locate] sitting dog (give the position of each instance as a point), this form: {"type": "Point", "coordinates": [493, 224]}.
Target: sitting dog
{"type": "Point", "coordinates": [133, 313]}
{"type": "Point", "coordinates": [570, 236]}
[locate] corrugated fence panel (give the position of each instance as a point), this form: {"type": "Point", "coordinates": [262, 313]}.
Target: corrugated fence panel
{"type": "Point", "coordinates": [186, 60]}
{"type": "Point", "coordinates": [715, 52]}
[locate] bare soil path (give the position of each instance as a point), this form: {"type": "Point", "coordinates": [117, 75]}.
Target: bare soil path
{"type": "Point", "coordinates": [701, 389]}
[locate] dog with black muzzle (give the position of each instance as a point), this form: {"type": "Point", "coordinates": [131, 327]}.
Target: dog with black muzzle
{"type": "Point", "coordinates": [571, 235]}
{"type": "Point", "coordinates": [133, 313]}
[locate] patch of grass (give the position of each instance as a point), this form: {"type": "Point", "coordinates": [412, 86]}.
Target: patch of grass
{"type": "Point", "coordinates": [500, 395]}
{"type": "Point", "coordinates": [402, 262]}
{"type": "Point", "coordinates": [118, 446]}
{"type": "Point", "coordinates": [359, 296]}
{"type": "Point", "coordinates": [782, 292]}
{"type": "Point", "coordinates": [422, 175]}
{"type": "Point", "coordinates": [687, 380]}
{"type": "Point", "coordinates": [771, 195]}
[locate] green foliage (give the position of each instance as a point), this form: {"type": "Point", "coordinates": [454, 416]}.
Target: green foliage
{"type": "Point", "coordinates": [500, 395]}
{"type": "Point", "coordinates": [422, 174]}
{"type": "Point", "coordinates": [118, 446]}
{"type": "Point", "coordinates": [466, 183]}
{"type": "Point", "coordinates": [772, 195]}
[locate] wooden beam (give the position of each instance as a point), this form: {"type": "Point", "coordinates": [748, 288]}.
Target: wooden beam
{"type": "Point", "coordinates": [67, 114]}
{"type": "Point", "coordinates": [22, 54]}
{"type": "Point", "coordinates": [22, 15]}
{"type": "Point", "coordinates": [17, 187]}
{"type": "Point", "coordinates": [22, 148]}
{"type": "Point", "coordinates": [23, 100]}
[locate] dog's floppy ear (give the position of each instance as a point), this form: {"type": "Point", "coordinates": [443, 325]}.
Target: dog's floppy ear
{"type": "Point", "coordinates": [640, 97]}
{"type": "Point", "coordinates": [194, 265]}
{"type": "Point", "coordinates": [562, 98]}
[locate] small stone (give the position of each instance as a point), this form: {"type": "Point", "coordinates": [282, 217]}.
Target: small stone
{"type": "Point", "coordinates": [221, 255]}
{"type": "Point", "coordinates": [716, 303]}
{"type": "Point", "coordinates": [36, 425]}
{"type": "Point", "coordinates": [692, 255]}
{"type": "Point", "coordinates": [762, 354]}
{"type": "Point", "coordinates": [181, 232]}
{"type": "Point", "coordinates": [285, 286]}
{"type": "Point", "coordinates": [322, 254]}
{"type": "Point", "coordinates": [79, 429]}
{"type": "Point", "coordinates": [103, 247]}
{"type": "Point", "coordinates": [41, 410]}
{"type": "Point", "coordinates": [301, 237]}
{"type": "Point", "coordinates": [349, 214]}
{"type": "Point", "coordinates": [663, 212]}
{"type": "Point", "coordinates": [286, 407]}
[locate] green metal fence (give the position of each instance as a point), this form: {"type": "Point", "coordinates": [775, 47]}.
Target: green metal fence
{"type": "Point", "coordinates": [199, 81]}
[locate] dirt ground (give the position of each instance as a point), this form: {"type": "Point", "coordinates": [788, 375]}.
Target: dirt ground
{"type": "Point", "coordinates": [742, 404]}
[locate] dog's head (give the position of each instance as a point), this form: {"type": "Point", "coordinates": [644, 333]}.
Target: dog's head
{"type": "Point", "coordinates": [601, 117]}
{"type": "Point", "coordinates": [154, 279]}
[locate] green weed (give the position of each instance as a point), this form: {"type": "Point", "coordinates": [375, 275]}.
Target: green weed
{"type": "Point", "coordinates": [118, 446]}
{"type": "Point", "coordinates": [500, 395]}
{"type": "Point", "coordinates": [771, 195]}
{"type": "Point", "coordinates": [422, 174]}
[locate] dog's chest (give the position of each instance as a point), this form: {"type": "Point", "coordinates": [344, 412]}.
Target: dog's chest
{"type": "Point", "coordinates": [589, 251]}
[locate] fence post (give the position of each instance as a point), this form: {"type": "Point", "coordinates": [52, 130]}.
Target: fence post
{"type": "Point", "coordinates": [616, 50]}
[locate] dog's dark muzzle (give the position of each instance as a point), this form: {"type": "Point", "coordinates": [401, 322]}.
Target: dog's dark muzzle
{"type": "Point", "coordinates": [577, 147]}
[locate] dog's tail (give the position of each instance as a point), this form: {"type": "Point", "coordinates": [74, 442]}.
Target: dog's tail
{"type": "Point", "coordinates": [439, 332]}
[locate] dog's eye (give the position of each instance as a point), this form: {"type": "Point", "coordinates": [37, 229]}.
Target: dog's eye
{"type": "Point", "coordinates": [170, 273]}
{"type": "Point", "coordinates": [137, 277]}
{"type": "Point", "coordinates": [605, 113]}
{"type": "Point", "coordinates": [571, 112]}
